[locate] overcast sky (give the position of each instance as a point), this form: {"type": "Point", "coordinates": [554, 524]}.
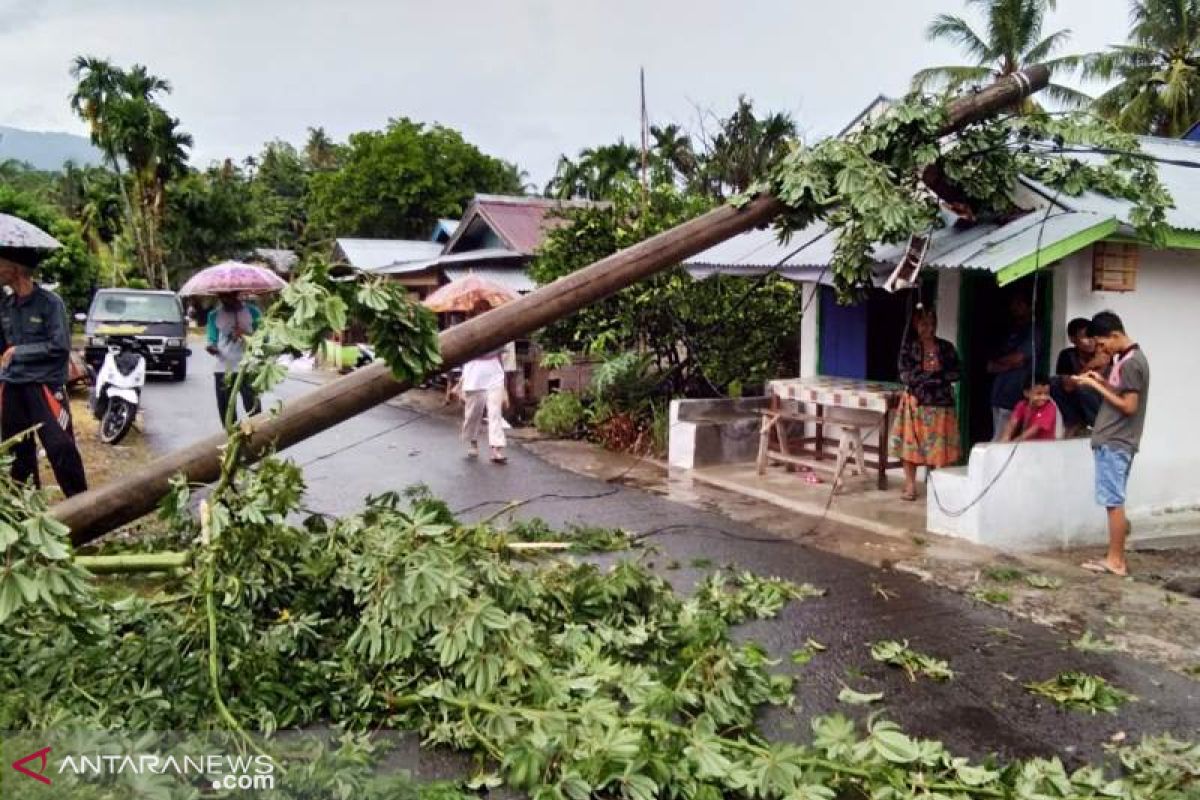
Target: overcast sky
{"type": "Point", "coordinates": [523, 79]}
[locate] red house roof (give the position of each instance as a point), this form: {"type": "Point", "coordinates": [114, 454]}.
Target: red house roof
{"type": "Point", "coordinates": [521, 223]}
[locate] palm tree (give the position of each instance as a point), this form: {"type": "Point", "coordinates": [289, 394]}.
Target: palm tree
{"type": "Point", "coordinates": [99, 90]}
{"type": "Point", "coordinates": [1157, 72]}
{"type": "Point", "coordinates": [320, 151]}
{"type": "Point", "coordinates": [1013, 40]}
{"type": "Point", "coordinates": [744, 149]}
{"type": "Point", "coordinates": [137, 135]}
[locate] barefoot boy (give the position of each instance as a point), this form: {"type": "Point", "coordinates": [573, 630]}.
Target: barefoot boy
{"type": "Point", "coordinates": [1118, 429]}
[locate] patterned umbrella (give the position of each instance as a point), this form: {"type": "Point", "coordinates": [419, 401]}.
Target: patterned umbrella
{"type": "Point", "coordinates": [17, 233]}
{"type": "Point", "coordinates": [467, 294]}
{"type": "Point", "coordinates": [24, 243]}
{"type": "Point", "coordinates": [232, 277]}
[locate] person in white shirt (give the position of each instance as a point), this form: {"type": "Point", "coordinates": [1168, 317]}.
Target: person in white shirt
{"type": "Point", "coordinates": [483, 389]}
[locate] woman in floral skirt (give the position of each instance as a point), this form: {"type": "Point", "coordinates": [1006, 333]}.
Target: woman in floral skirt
{"type": "Point", "coordinates": [925, 432]}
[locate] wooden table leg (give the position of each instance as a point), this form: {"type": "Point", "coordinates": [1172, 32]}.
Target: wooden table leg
{"type": "Point", "coordinates": [764, 440]}
{"type": "Point", "coordinates": [820, 432]}
{"type": "Point", "coordinates": [885, 433]}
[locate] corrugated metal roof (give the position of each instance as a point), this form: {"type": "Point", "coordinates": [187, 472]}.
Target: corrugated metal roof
{"type": "Point", "coordinates": [282, 261]}
{"type": "Point", "coordinates": [371, 254]}
{"type": "Point", "coordinates": [520, 222]}
{"type": "Point", "coordinates": [514, 279]}
{"type": "Point", "coordinates": [1183, 182]}
{"type": "Point", "coordinates": [990, 247]}
{"type": "Point", "coordinates": [486, 255]}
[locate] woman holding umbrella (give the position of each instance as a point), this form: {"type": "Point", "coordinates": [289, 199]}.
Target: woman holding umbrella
{"type": "Point", "coordinates": [482, 384]}
{"type": "Point", "coordinates": [231, 322]}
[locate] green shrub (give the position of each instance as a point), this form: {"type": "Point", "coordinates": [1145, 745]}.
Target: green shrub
{"type": "Point", "coordinates": [559, 414]}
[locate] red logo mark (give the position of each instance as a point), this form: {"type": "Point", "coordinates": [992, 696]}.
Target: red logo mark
{"type": "Point", "coordinates": [41, 755]}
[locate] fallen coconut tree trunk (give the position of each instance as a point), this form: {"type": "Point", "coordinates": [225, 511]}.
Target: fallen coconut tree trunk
{"type": "Point", "coordinates": [92, 514]}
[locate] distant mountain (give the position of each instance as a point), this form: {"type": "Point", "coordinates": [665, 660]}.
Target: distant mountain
{"type": "Point", "coordinates": [46, 150]}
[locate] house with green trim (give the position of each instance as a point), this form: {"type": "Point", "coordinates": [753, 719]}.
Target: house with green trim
{"type": "Point", "coordinates": [1075, 256]}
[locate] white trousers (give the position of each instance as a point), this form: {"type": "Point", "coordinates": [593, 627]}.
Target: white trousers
{"type": "Point", "coordinates": [493, 401]}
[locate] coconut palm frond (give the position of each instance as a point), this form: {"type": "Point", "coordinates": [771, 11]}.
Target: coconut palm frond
{"type": "Point", "coordinates": [948, 77]}
{"type": "Point", "coordinates": [956, 30]}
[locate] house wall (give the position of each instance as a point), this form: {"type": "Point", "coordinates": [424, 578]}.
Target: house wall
{"type": "Point", "coordinates": [949, 287]}
{"type": "Point", "coordinates": [1160, 316]}
{"type": "Point", "coordinates": [809, 328]}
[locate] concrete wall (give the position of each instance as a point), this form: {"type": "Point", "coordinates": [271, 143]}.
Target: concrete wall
{"type": "Point", "coordinates": [706, 432]}
{"type": "Point", "coordinates": [1160, 316]}
{"type": "Point", "coordinates": [1029, 496]}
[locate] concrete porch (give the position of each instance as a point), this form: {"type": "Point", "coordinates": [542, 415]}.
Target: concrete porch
{"type": "Point", "coordinates": [860, 505]}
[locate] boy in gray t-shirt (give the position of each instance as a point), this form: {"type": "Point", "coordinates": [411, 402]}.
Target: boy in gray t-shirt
{"type": "Point", "coordinates": [1117, 433]}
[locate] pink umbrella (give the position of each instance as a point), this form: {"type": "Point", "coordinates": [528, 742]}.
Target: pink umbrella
{"type": "Point", "coordinates": [232, 277]}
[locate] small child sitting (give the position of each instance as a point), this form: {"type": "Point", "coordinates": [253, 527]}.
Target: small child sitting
{"type": "Point", "coordinates": [1036, 417]}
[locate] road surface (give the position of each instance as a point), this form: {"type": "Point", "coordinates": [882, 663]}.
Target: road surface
{"type": "Point", "coordinates": [983, 709]}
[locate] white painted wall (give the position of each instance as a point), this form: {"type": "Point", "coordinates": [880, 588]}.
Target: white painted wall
{"type": "Point", "coordinates": [1161, 316]}
{"type": "Point", "coordinates": [808, 329]}
{"type": "Point", "coordinates": [949, 286]}
{"type": "Point", "coordinates": [1000, 499]}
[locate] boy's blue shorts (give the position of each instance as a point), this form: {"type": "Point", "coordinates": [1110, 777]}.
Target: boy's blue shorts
{"type": "Point", "coordinates": [1112, 475]}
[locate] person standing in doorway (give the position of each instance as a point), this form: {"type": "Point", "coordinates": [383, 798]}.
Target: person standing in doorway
{"type": "Point", "coordinates": [925, 432]}
{"type": "Point", "coordinates": [1012, 369]}
{"type": "Point", "coordinates": [35, 350]}
{"type": "Point", "coordinates": [1117, 434]}
{"type": "Point", "coordinates": [228, 326]}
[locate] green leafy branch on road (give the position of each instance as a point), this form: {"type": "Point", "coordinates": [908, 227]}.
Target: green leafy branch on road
{"type": "Point", "coordinates": [899, 654]}
{"type": "Point", "coordinates": [1082, 692]}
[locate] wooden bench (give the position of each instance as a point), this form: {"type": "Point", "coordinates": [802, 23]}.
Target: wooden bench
{"type": "Point", "coordinates": [849, 440]}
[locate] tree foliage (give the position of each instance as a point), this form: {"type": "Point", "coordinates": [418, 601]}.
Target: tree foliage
{"type": "Point", "coordinates": [141, 142]}
{"type": "Point", "coordinates": [397, 182]}
{"type": "Point", "coordinates": [72, 267]}
{"type": "Point", "coordinates": [867, 187]}
{"type": "Point", "coordinates": [702, 336]}
{"type": "Point", "coordinates": [723, 157]}
{"type": "Point", "coordinates": [1011, 40]}
{"type": "Point", "coordinates": [1157, 72]}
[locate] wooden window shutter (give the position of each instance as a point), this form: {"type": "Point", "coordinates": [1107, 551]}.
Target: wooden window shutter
{"type": "Point", "coordinates": [1114, 267]}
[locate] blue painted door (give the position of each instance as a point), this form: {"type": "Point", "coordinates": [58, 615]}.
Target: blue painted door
{"type": "Point", "coordinates": [843, 337]}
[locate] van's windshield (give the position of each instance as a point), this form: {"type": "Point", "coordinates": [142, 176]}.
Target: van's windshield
{"type": "Point", "coordinates": [134, 307]}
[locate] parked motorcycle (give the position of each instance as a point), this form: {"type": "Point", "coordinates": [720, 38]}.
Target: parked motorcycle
{"type": "Point", "coordinates": [118, 387]}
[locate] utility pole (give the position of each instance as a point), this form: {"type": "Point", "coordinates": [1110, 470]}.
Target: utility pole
{"type": "Point", "coordinates": [92, 514]}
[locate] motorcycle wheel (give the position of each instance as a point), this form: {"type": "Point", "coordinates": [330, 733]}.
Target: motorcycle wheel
{"type": "Point", "coordinates": [117, 421]}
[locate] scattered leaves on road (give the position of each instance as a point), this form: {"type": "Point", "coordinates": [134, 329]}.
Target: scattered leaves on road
{"type": "Point", "coordinates": [852, 698]}
{"type": "Point", "coordinates": [899, 654]}
{"type": "Point", "coordinates": [1043, 581]}
{"type": "Point", "coordinates": [1089, 643]}
{"type": "Point", "coordinates": [1082, 692]}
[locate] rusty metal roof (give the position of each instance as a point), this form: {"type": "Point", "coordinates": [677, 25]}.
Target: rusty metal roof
{"type": "Point", "coordinates": [521, 223]}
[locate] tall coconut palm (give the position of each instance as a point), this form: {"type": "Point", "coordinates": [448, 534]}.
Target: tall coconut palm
{"type": "Point", "coordinates": [1157, 72]}
{"type": "Point", "coordinates": [1011, 41]}
{"type": "Point", "coordinates": [95, 99]}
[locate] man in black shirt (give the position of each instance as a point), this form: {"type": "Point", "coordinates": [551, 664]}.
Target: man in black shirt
{"type": "Point", "coordinates": [35, 348]}
{"type": "Point", "coordinates": [1078, 404]}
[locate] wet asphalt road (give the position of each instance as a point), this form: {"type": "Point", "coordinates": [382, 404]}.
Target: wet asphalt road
{"type": "Point", "coordinates": [983, 709]}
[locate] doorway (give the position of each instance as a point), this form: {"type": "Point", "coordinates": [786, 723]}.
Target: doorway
{"type": "Point", "coordinates": [863, 340]}
{"type": "Point", "coordinates": [983, 325]}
